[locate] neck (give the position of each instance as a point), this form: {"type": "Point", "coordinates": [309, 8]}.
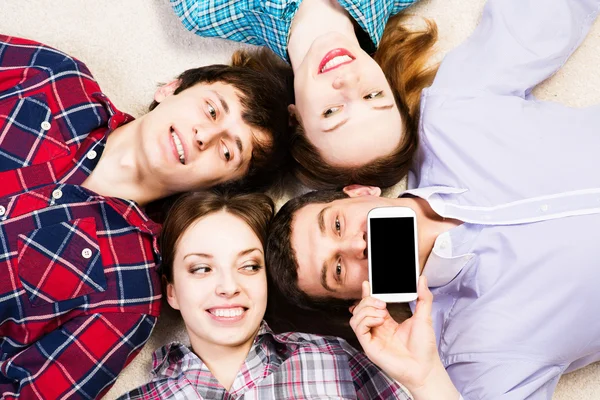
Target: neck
{"type": "Point", "coordinates": [224, 362]}
{"type": "Point", "coordinates": [430, 225]}
{"type": "Point", "coordinates": [316, 18]}
{"type": "Point", "coordinates": [117, 173]}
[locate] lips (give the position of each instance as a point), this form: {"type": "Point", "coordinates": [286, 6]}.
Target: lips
{"type": "Point", "coordinates": [178, 146]}
{"type": "Point", "coordinates": [334, 59]}
{"type": "Point", "coordinates": [227, 314]}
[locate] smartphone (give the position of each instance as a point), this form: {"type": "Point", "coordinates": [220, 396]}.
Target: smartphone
{"type": "Point", "coordinates": [393, 254]}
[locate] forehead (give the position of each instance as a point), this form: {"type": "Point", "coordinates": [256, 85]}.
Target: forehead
{"type": "Point", "coordinates": [366, 136]}
{"type": "Point", "coordinates": [217, 233]}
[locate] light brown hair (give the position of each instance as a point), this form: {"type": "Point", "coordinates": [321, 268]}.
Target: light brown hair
{"type": "Point", "coordinates": [256, 209]}
{"type": "Point", "coordinates": [403, 56]}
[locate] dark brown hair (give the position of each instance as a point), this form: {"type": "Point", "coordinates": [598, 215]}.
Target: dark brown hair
{"type": "Point", "coordinates": [256, 209]}
{"type": "Point", "coordinates": [402, 55]}
{"type": "Point", "coordinates": [281, 258]}
{"type": "Point", "coordinates": [265, 85]}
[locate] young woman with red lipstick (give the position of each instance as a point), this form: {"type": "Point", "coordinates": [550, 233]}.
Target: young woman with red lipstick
{"type": "Point", "coordinates": [213, 267]}
{"type": "Point", "coordinates": [357, 115]}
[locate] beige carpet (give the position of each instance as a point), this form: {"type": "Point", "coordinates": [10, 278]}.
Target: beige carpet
{"type": "Point", "coordinates": [131, 45]}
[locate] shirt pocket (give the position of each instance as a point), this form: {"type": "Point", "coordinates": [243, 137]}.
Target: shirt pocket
{"type": "Point", "coordinates": [29, 135]}
{"type": "Point", "coordinates": [61, 262]}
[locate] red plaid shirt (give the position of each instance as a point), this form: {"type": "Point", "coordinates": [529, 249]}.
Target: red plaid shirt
{"type": "Point", "coordinates": [79, 294]}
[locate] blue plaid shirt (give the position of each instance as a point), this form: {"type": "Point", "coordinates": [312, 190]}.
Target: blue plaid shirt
{"type": "Point", "coordinates": [267, 23]}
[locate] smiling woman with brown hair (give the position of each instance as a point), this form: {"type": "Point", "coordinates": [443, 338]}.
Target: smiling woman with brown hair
{"type": "Point", "coordinates": [356, 115]}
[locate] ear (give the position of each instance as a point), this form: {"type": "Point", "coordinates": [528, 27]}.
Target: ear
{"type": "Point", "coordinates": [294, 116]}
{"type": "Point", "coordinates": [166, 90]}
{"type": "Point", "coordinates": [359, 190]}
{"type": "Point", "coordinates": [171, 294]}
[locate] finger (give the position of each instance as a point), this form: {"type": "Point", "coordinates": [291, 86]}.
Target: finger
{"type": "Point", "coordinates": [366, 289]}
{"type": "Point", "coordinates": [369, 302]}
{"type": "Point", "coordinates": [367, 312]}
{"type": "Point", "coordinates": [424, 301]}
{"type": "Point", "coordinates": [366, 324]}
{"type": "Point", "coordinates": [353, 306]}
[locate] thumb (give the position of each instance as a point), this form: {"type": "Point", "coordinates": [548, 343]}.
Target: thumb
{"type": "Point", "coordinates": [366, 289]}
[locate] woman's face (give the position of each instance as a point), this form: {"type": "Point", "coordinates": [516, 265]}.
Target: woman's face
{"type": "Point", "coordinates": [219, 281]}
{"type": "Point", "coordinates": [345, 103]}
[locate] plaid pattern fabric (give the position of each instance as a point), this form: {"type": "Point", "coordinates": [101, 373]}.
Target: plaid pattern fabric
{"type": "Point", "coordinates": [267, 23]}
{"type": "Point", "coordinates": [284, 366]}
{"type": "Point", "coordinates": [79, 294]}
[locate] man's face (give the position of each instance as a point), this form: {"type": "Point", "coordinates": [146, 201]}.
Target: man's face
{"type": "Point", "coordinates": [330, 243]}
{"type": "Point", "coordinates": [197, 138]}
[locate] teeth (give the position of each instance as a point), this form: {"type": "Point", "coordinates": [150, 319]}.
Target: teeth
{"type": "Point", "coordinates": [179, 147]}
{"type": "Point", "coordinates": [227, 312]}
{"type": "Point", "coordinates": [334, 62]}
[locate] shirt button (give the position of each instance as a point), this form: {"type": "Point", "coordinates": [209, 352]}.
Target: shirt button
{"type": "Point", "coordinates": [2, 211]}
{"type": "Point", "coordinates": [91, 154]}
{"type": "Point", "coordinates": [45, 125]}
{"type": "Point", "coordinates": [86, 253]}
{"type": "Point", "coordinates": [57, 194]}
{"type": "Point", "coordinates": [544, 207]}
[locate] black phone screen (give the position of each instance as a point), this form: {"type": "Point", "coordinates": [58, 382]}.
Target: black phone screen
{"type": "Point", "coordinates": [392, 255]}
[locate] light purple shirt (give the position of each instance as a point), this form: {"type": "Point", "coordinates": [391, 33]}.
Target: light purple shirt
{"type": "Point", "coordinates": [517, 286]}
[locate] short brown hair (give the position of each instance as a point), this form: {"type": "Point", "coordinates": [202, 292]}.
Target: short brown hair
{"type": "Point", "coordinates": [256, 209]}
{"type": "Point", "coordinates": [281, 258]}
{"type": "Point", "coordinates": [402, 55]}
{"type": "Point", "coordinates": [266, 87]}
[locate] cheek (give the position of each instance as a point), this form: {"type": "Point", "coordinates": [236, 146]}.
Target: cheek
{"type": "Point", "coordinates": [191, 294]}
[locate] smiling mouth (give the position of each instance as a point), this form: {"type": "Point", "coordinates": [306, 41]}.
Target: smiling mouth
{"type": "Point", "coordinates": [231, 314]}
{"type": "Point", "coordinates": [178, 146]}
{"type": "Point", "coordinates": [334, 59]}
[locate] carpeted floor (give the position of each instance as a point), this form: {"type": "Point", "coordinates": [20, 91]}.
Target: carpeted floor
{"type": "Point", "coordinates": [132, 45]}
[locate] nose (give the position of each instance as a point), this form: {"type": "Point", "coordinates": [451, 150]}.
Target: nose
{"type": "Point", "coordinates": [227, 285]}
{"type": "Point", "coordinates": [347, 79]}
{"type": "Point", "coordinates": [206, 135]}
{"type": "Point", "coordinates": [356, 246]}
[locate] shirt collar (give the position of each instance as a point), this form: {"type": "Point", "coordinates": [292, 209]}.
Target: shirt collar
{"type": "Point", "coordinates": [175, 358]}
{"type": "Point", "coordinates": [444, 262]}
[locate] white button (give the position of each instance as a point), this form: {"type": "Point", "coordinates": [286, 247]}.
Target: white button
{"type": "Point", "coordinates": [2, 211]}
{"type": "Point", "coordinates": [544, 207]}
{"type": "Point", "coordinates": [443, 244]}
{"type": "Point", "coordinates": [86, 253]}
{"type": "Point", "coordinates": [91, 154]}
{"type": "Point", "coordinates": [57, 194]}
{"type": "Point", "coordinates": [45, 125]}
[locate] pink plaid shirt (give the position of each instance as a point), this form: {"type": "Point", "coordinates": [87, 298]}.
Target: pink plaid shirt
{"type": "Point", "coordinates": [283, 366]}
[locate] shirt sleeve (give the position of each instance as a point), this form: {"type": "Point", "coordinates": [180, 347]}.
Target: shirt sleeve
{"type": "Point", "coordinates": [517, 44]}
{"type": "Point", "coordinates": [249, 21]}
{"type": "Point", "coordinates": [80, 360]}
{"type": "Point", "coordinates": [370, 382]}
{"type": "Point", "coordinates": [505, 379]}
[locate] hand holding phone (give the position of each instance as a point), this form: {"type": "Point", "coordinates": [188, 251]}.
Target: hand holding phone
{"type": "Point", "coordinates": [393, 254]}
{"type": "Point", "coordinates": [407, 352]}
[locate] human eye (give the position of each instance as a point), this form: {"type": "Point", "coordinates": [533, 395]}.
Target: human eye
{"type": "Point", "coordinates": [373, 95]}
{"type": "Point", "coordinates": [338, 226]}
{"type": "Point", "coordinates": [226, 152]}
{"type": "Point", "coordinates": [200, 269]}
{"type": "Point", "coordinates": [338, 270]}
{"type": "Point", "coordinates": [211, 111]}
{"type": "Point", "coordinates": [252, 268]}
{"type": "Point", "coordinates": [330, 111]}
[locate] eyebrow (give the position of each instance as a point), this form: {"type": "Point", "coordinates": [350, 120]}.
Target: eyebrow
{"type": "Point", "coordinates": [199, 255]}
{"type": "Point", "coordinates": [223, 102]}
{"type": "Point", "coordinates": [336, 126]}
{"type": "Point", "coordinates": [248, 251]}
{"type": "Point", "coordinates": [386, 107]}
{"type": "Point", "coordinates": [324, 278]}
{"type": "Point", "coordinates": [321, 219]}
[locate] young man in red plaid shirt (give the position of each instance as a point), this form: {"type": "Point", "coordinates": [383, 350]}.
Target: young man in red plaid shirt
{"type": "Point", "coordinates": [79, 295]}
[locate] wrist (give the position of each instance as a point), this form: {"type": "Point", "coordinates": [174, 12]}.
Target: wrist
{"type": "Point", "coordinates": [437, 385]}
